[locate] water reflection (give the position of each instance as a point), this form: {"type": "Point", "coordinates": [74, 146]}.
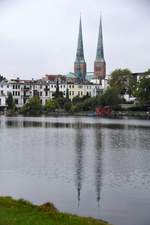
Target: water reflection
{"type": "Point", "coordinates": [40, 155]}
{"type": "Point", "coordinates": [23, 123]}
{"type": "Point", "coordinates": [98, 162]}
{"type": "Point", "coordinates": [79, 150]}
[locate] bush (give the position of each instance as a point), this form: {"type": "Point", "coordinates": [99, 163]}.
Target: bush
{"type": "Point", "coordinates": [32, 107]}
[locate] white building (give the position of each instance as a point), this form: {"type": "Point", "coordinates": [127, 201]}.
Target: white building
{"type": "Point", "coordinates": [45, 88]}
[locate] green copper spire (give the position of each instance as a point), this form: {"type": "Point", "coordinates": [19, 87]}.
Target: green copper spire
{"type": "Point", "coordinates": [100, 50]}
{"type": "Point", "coordinates": [80, 51]}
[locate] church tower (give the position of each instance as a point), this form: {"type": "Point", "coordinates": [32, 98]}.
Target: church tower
{"type": "Point", "coordinates": [99, 64]}
{"type": "Point", "coordinates": [80, 64]}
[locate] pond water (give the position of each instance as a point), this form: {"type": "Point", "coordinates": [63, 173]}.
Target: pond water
{"type": "Point", "coordinates": [86, 166]}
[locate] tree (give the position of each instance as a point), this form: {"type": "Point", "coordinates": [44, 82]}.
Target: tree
{"type": "Point", "coordinates": [147, 72]}
{"type": "Point", "coordinates": [58, 93]}
{"type": "Point", "coordinates": [142, 91]}
{"type": "Point", "coordinates": [110, 98]}
{"type": "Point", "coordinates": [123, 80]}
{"type": "Point", "coordinates": [10, 102]}
{"type": "Point", "coordinates": [32, 106]}
{"type": "Point", "coordinates": [2, 78]}
{"type": "Point", "coordinates": [51, 105]}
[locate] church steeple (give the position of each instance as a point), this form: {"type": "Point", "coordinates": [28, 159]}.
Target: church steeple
{"type": "Point", "coordinates": [80, 51]}
{"type": "Point", "coordinates": [100, 65]}
{"type": "Point", "coordinates": [80, 64]}
{"type": "Point", "coordinates": [100, 50]}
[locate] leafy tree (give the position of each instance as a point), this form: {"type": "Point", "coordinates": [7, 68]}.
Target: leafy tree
{"type": "Point", "coordinates": [10, 102]}
{"type": "Point", "coordinates": [58, 93]}
{"type": "Point", "coordinates": [2, 78]}
{"type": "Point", "coordinates": [123, 80]}
{"type": "Point", "coordinates": [147, 72]}
{"type": "Point", "coordinates": [32, 106]}
{"type": "Point", "coordinates": [51, 105]}
{"type": "Point", "coordinates": [68, 106]}
{"type": "Point", "coordinates": [142, 91]}
{"type": "Point", "coordinates": [78, 99]}
{"type": "Point", "coordinates": [110, 97]}
{"type": "Point", "coordinates": [67, 94]}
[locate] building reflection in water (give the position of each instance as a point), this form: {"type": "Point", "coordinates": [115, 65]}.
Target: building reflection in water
{"type": "Point", "coordinates": [98, 163]}
{"type": "Point", "coordinates": [79, 149]}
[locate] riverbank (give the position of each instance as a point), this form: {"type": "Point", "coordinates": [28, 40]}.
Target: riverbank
{"type": "Point", "coordinates": [20, 212]}
{"type": "Point", "coordinates": [114, 115]}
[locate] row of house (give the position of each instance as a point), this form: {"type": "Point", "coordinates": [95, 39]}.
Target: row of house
{"type": "Point", "coordinates": [45, 88]}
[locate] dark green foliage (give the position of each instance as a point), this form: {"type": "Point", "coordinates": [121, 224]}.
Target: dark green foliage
{"type": "Point", "coordinates": [58, 94]}
{"type": "Point", "coordinates": [142, 91]}
{"type": "Point", "coordinates": [123, 80]}
{"type": "Point", "coordinates": [67, 94]}
{"type": "Point", "coordinates": [85, 103]}
{"type": "Point", "coordinates": [32, 106]}
{"type": "Point", "coordinates": [67, 106]}
{"type": "Point", "coordinates": [110, 97]}
{"type": "Point", "coordinates": [10, 102]}
{"type": "Point", "coordinates": [2, 78]}
{"type": "Point", "coordinates": [138, 108]}
{"type": "Point", "coordinates": [51, 105]}
{"type": "Point", "coordinates": [147, 72]}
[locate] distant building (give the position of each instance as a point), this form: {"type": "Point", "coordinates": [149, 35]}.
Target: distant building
{"type": "Point", "coordinates": [138, 76]}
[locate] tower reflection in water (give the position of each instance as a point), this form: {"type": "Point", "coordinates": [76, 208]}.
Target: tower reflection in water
{"type": "Point", "coordinates": [98, 163]}
{"type": "Point", "coordinates": [79, 149]}
{"type": "Point", "coordinates": [79, 161]}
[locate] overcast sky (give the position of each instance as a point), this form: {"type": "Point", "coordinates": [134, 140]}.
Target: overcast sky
{"type": "Point", "coordinates": [39, 37]}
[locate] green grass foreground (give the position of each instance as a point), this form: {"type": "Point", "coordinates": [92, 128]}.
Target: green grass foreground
{"type": "Point", "coordinates": [21, 212]}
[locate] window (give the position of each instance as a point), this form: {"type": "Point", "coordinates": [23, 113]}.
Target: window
{"type": "Point", "coordinates": [72, 92]}
{"type": "Point", "coordinates": [0, 101]}
{"type": "Point", "coordinates": [40, 93]}
{"type": "Point", "coordinates": [69, 92]}
{"type": "Point", "coordinates": [2, 92]}
{"type": "Point", "coordinates": [72, 86]}
{"type": "Point", "coordinates": [46, 93]}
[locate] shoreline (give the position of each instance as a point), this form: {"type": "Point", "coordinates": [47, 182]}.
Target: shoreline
{"type": "Point", "coordinates": [114, 115]}
{"type": "Point", "coordinates": [16, 212]}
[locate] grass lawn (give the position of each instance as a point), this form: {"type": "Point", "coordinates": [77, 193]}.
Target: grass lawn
{"type": "Point", "coordinates": [20, 212]}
